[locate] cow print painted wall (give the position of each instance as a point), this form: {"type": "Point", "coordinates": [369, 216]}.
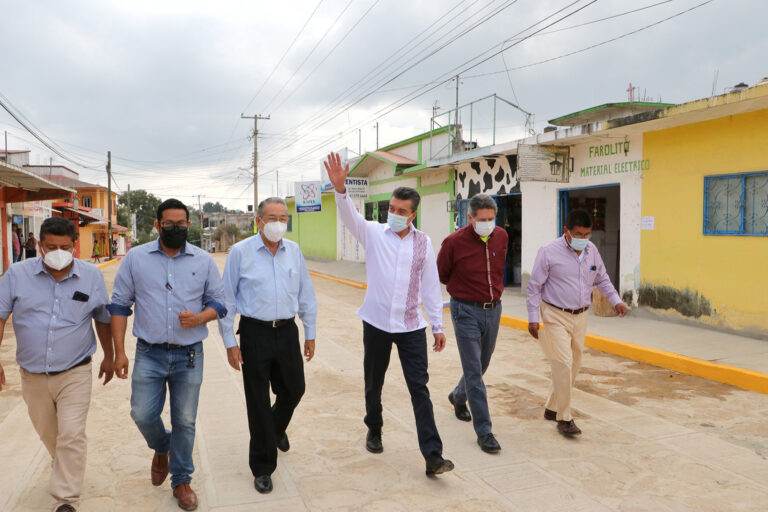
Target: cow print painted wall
{"type": "Point", "coordinates": [494, 176]}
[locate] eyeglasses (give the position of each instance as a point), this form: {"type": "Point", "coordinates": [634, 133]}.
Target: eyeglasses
{"type": "Point", "coordinates": [169, 225]}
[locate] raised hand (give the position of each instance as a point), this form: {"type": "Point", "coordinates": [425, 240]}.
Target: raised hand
{"type": "Point", "coordinates": [336, 173]}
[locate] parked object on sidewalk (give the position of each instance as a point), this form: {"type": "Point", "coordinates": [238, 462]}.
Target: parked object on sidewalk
{"type": "Point", "coordinates": [266, 281]}
{"type": "Point", "coordinates": [561, 284]}
{"type": "Point", "coordinates": [58, 297]}
{"type": "Point", "coordinates": [601, 304]}
{"type": "Point", "coordinates": [401, 268]}
{"type": "Point", "coordinates": [176, 289]}
{"type": "Point", "coordinates": [471, 264]}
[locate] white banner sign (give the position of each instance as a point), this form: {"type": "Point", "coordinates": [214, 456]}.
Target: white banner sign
{"type": "Point", "coordinates": [308, 196]}
{"type": "Point", "coordinates": [357, 188]}
{"type": "Point", "coordinates": [543, 163]}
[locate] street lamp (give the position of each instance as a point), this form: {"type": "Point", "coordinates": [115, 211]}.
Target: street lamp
{"type": "Point", "coordinates": [554, 167]}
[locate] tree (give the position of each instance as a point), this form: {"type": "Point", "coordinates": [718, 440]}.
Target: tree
{"type": "Point", "coordinates": [144, 205]}
{"type": "Point", "coordinates": [210, 207]}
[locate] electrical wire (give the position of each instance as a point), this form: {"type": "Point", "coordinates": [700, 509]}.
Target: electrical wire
{"type": "Point", "coordinates": [279, 62]}
{"type": "Point", "coordinates": [319, 42]}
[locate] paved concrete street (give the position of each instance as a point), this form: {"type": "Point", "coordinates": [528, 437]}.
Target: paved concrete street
{"type": "Point", "coordinates": [654, 440]}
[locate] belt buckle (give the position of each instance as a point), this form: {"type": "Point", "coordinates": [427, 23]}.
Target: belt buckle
{"type": "Point", "coordinates": [274, 324]}
{"type": "Point", "coordinates": [487, 305]}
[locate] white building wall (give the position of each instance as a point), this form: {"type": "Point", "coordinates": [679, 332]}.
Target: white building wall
{"type": "Point", "coordinates": [435, 219]}
{"type": "Point", "coordinates": [348, 248]}
{"type": "Point", "coordinates": [540, 204]}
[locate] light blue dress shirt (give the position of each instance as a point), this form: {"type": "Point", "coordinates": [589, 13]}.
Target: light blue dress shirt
{"type": "Point", "coordinates": [53, 330]}
{"type": "Point", "coordinates": [162, 287]}
{"type": "Point", "coordinates": [266, 287]}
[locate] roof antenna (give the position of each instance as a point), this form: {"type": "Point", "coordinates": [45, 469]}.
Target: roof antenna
{"type": "Point", "coordinates": [714, 82]}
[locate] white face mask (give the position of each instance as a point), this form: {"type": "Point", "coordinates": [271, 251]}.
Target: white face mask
{"type": "Point", "coordinates": [58, 259]}
{"type": "Point", "coordinates": [274, 231]}
{"type": "Point", "coordinates": [484, 228]}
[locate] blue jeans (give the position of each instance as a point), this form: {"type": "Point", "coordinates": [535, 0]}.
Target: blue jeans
{"type": "Point", "coordinates": [182, 370]}
{"type": "Point", "coordinates": [476, 330]}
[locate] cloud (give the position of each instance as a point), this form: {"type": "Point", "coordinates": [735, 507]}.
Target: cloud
{"type": "Point", "coordinates": [161, 81]}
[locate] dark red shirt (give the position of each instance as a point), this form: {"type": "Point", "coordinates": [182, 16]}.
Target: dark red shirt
{"type": "Point", "coordinates": [464, 260]}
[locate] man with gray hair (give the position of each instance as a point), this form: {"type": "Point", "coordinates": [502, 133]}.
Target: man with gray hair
{"type": "Point", "coordinates": [266, 281]}
{"type": "Point", "coordinates": [471, 264]}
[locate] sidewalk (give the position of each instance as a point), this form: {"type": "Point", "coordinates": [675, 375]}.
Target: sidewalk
{"type": "Point", "coordinates": [685, 340]}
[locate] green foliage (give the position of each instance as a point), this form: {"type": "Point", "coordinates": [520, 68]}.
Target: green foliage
{"type": "Point", "coordinates": [216, 207]}
{"type": "Point", "coordinates": [144, 205]}
{"type": "Point", "coordinates": [228, 231]}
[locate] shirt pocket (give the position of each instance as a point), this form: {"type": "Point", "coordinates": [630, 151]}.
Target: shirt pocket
{"type": "Point", "coordinates": [192, 288]}
{"type": "Point", "coordinates": [75, 311]}
{"type": "Point", "coordinates": [294, 281]}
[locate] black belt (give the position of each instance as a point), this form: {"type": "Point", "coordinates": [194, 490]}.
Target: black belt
{"type": "Point", "coordinates": [482, 305]}
{"type": "Point", "coordinates": [81, 363]}
{"type": "Point", "coordinates": [266, 323]}
{"type": "Point", "coordinates": [166, 346]}
{"type": "Point", "coordinates": [571, 311]}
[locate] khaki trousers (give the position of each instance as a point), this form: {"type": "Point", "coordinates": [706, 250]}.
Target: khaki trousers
{"type": "Point", "coordinates": [58, 407]}
{"type": "Point", "coordinates": [562, 341]}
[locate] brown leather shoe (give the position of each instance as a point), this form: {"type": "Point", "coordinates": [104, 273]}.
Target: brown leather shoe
{"type": "Point", "coordinates": [66, 507]}
{"type": "Point", "coordinates": [550, 415]}
{"type": "Point", "coordinates": [159, 468]}
{"type": "Point", "coordinates": [185, 497]}
{"type": "Point", "coordinates": [568, 428]}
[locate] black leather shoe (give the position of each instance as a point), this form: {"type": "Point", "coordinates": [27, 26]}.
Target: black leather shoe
{"type": "Point", "coordinates": [437, 465]}
{"type": "Point", "coordinates": [460, 410]}
{"type": "Point", "coordinates": [263, 484]}
{"type": "Point", "coordinates": [550, 415]}
{"type": "Point", "coordinates": [282, 443]}
{"type": "Point", "coordinates": [488, 443]}
{"type": "Point", "coordinates": [373, 440]}
{"type": "Point", "coordinates": [568, 428]}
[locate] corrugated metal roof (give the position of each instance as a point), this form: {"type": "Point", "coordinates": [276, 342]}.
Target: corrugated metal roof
{"type": "Point", "coordinates": [18, 177]}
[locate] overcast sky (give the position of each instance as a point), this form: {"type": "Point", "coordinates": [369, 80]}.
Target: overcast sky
{"type": "Point", "coordinates": [162, 83]}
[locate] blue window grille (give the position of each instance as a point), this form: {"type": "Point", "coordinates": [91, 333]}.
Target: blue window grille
{"type": "Point", "coordinates": [736, 204]}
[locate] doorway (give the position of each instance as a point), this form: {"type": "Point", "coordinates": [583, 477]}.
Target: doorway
{"type": "Point", "coordinates": [509, 217]}
{"type": "Point", "coordinates": [603, 202]}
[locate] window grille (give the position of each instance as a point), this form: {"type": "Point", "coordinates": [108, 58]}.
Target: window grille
{"type": "Point", "coordinates": [736, 204]}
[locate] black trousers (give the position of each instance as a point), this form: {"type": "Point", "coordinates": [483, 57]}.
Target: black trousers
{"type": "Point", "coordinates": [270, 356]}
{"type": "Point", "coordinates": [412, 349]}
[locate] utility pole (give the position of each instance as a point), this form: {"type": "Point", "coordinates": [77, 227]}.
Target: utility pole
{"type": "Point", "coordinates": [109, 204]}
{"type": "Point", "coordinates": [277, 179]}
{"type": "Point", "coordinates": [456, 116]}
{"type": "Point", "coordinates": [377, 135]}
{"type": "Point", "coordinates": [130, 214]}
{"type": "Point", "coordinates": [255, 157]}
{"type": "Point", "coordinates": [359, 142]}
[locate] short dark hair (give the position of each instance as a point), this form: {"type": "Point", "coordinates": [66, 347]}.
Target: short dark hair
{"type": "Point", "coordinates": [482, 202]}
{"type": "Point", "coordinates": [407, 193]}
{"type": "Point", "coordinates": [59, 226]}
{"type": "Point", "coordinates": [580, 218]}
{"type": "Point", "coordinates": [171, 204]}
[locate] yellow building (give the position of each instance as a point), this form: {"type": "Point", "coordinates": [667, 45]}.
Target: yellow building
{"type": "Point", "coordinates": [88, 211]}
{"type": "Point", "coordinates": [704, 242]}
{"type": "Point", "coordinates": [94, 200]}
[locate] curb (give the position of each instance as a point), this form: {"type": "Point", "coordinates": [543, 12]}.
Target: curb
{"type": "Point", "coordinates": [739, 377]}
{"type": "Point", "coordinates": [107, 263]}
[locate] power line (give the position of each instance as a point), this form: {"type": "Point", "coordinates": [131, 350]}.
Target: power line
{"type": "Point", "coordinates": [301, 31]}
{"type": "Point", "coordinates": [8, 107]}
{"type": "Point", "coordinates": [400, 72]}
{"type": "Point", "coordinates": [461, 69]}
{"type": "Point", "coordinates": [335, 22]}
{"type": "Point", "coordinates": [403, 67]}
{"type": "Point", "coordinates": [354, 26]}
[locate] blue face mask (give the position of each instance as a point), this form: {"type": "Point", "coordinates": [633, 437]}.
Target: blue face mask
{"type": "Point", "coordinates": [397, 223]}
{"type": "Point", "coordinates": [578, 244]}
